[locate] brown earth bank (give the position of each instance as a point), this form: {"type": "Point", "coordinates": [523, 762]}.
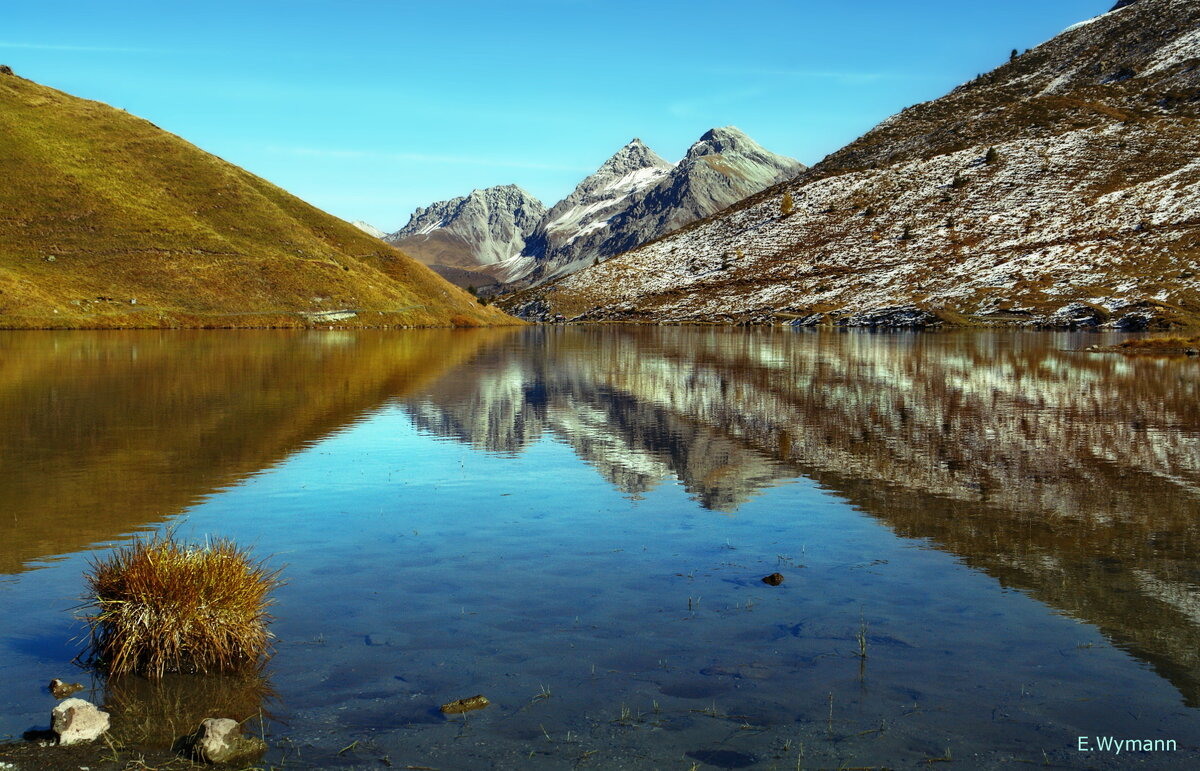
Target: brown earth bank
{"type": "Point", "coordinates": [107, 221]}
{"type": "Point", "coordinates": [32, 756]}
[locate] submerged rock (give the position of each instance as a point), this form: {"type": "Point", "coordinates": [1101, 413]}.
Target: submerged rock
{"type": "Point", "coordinates": [220, 740]}
{"type": "Point", "coordinates": [775, 579]}
{"type": "Point", "coordinates": [61, 690]}
{"type": "Point", "coordinates": [76, 721]}
{"type": "Point", "coordinates": [465, 705]}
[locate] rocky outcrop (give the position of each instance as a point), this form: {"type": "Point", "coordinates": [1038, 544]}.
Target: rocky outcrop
{"type": "Point", "coordinates": [636, 197]}
{"type": "Point", "coordinates": [482, 228]}
{"type": "Point", "coordinates": [1068, 175]}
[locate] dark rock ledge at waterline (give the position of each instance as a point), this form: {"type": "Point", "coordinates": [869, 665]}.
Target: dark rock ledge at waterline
{"type": "Point", "coordinates": [1135, 317]}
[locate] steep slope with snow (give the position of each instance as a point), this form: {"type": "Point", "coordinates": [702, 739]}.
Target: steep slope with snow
{"type": "Point", "coordinates": [482, 228]}
{"type": "Point", "coordinates": [554, 247]}
{"type": "Point", "coordinates": [637, 197]}
{"type": "Point", "coordinates": [1062, 188]}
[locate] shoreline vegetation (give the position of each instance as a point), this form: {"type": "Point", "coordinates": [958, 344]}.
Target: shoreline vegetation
{"type": "Point", "coordinates": [159, 605]}
{"type": "Point", "coordinates": [178, 647]}
{"type": "Point", "coordinates": [888, 318]}
{"type": "Point", "coordinates": [1153, 346]}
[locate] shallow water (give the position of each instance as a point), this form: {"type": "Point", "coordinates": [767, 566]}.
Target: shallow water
{"type": "Point", "coordinates": [574, 522]}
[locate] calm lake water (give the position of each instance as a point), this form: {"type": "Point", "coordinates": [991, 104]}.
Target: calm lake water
{"type": "Point", "coordinates": [574, 522]}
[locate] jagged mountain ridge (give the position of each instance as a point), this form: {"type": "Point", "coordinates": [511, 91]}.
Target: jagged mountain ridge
{"type": "Point", "coordinates": [1062, 188]}
{"type": "Point", "coordinates": [585, 211]}
{"type": "Point", "coordinates": [636, 197]}
{"type": "Point", "coordinates": [481, 228]}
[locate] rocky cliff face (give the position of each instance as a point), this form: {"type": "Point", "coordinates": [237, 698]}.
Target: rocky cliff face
{"type": "Point", "coordinates": [482, 228]}
{"type": "Point", "coordinates": [557, 245]}
{"type": "Point", "coordinates": [1062, 188]}
{"type": "Point", "coordinates": [636, 197]}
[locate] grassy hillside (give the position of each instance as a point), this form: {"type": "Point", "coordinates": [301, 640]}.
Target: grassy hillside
{"type": "Point", "coordinates": [108, 221]}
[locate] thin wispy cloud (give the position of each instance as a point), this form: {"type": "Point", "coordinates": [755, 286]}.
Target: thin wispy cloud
{"type": "Point", "coordinates": [83, 49]}
{"type": "Point", "coordinates": [458, 160]}
{"type": "Point", "coordinates": [685, 108]}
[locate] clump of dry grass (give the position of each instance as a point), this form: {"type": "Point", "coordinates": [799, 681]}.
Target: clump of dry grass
{"type": "Point", "coordinates": [162, 606]}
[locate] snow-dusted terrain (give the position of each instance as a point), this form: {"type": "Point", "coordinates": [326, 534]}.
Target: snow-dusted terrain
{"type": "Point", "coordinates": [1063, 188]}
{"type": "Point", "coordinates": [636, 196]}
{"type": "Point", "coordinates": [481, 228]}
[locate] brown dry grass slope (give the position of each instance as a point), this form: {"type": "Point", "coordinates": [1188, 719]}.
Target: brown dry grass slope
{"type": "Point", "coordinates": [100, 208]}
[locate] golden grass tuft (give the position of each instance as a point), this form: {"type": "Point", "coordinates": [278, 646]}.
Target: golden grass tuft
{"type": "Point", "coordinates": [161, 606]}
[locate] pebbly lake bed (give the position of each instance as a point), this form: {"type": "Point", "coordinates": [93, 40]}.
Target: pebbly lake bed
{"type": "Point", "coordinates": [988, 542]}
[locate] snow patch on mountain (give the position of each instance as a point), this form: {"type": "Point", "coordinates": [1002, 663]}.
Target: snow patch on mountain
{"type": "Point", "coordinates": [369, 229]}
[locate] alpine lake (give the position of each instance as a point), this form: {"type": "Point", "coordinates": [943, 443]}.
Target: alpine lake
{"type": "Point", "coordinates": [989, 542]}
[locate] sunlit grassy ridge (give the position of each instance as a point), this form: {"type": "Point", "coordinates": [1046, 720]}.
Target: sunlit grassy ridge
{"type": "Point", "coordinates": [100, 208]}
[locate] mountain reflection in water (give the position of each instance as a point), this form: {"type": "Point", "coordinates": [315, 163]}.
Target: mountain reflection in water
{"type": "Point", "coordinates": [1074, 477]}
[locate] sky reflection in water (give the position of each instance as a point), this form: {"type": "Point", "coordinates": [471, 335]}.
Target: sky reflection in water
{"type": "Point", "coordinates": [587, 513]}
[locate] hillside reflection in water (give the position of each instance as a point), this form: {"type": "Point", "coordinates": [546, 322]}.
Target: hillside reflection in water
{"type": "Point", "coordinates": [1071, 478]}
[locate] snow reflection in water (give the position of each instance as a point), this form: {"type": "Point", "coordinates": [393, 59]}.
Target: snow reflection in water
{"type": "Point", "coordinates": [1010, 525]}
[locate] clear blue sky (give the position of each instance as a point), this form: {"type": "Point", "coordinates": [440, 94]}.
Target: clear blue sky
{"type": "Point", "coordinates": [369, 109]}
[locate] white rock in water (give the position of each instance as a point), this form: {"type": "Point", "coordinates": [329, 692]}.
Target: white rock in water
{"type": "Point", "coordinates": [220, 740]}
{"type": "Point", "coordinates": [77, 721]}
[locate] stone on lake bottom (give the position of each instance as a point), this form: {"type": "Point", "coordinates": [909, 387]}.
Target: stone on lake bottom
{"type": "Point", "coordinates": [465, 705]}
{"type": "Point", "coordinates": [76, 721]}
{"type": "Point", "coordinates": [775, 579]}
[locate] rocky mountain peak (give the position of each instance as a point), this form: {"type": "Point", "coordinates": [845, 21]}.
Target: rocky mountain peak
{"type": "Point", "coordinates": [369, 229]}
{"type": "Point", "coordinates": [722, 139]}
{"type": "Point", "coordinates": [727, 139]}
{"type": "Point", "coordinates": [1060, 189]}
{"type": "Point", "coordinates": [483, 227]}
{"type": "Point", "coordinates": [636, 196]}
{"type": "Point", "coordinates": [632, 157]}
